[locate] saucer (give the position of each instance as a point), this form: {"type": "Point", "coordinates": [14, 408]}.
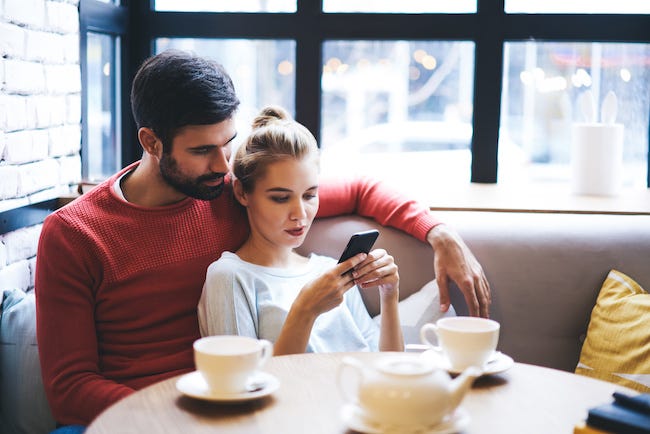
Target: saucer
{"type": "Point", "coordinates": [355, 419]}
{"type": "Point", "coordinates": [194, 385]}
{"type": "Point", "coordinates": [498, 363]}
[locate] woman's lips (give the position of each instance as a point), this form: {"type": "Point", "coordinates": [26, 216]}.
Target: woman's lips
{"type": "Point", "coordinates": [296, 232]}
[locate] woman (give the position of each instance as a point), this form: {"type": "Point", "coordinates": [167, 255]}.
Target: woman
{"type": "Point", "coordinates": [267, 290]}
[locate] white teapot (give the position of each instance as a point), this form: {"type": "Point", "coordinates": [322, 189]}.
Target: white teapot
{"type": "Point", "coordinates": [403, 390]}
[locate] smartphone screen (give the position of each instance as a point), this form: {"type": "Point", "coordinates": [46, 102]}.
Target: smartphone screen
{"type": "Point", "coordinates": [361, 242]}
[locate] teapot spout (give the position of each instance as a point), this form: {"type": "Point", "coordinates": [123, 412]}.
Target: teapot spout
{"type": "Point", "coordinates": [461, 384]}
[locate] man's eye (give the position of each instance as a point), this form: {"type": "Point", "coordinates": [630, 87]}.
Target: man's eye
{"type": "Point", "coordinates": [200, 151]}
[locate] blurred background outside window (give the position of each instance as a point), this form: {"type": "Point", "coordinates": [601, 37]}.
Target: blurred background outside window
{"type": "Point", "coordinates": [541, 85]}
{"type": "Point", "coordinates": [101, 154]}
{"type": "Point", "coordinates": [398, 110]}
{"type": "Point", "coordinates": [226, 5]}
{"type": "Point", "coordinates": [577, 6]}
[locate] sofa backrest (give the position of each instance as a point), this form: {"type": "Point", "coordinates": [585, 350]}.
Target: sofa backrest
{"type": "Point", "coordinates": [545, 270]}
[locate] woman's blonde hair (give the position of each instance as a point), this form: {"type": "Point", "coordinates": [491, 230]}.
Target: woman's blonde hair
{"type": "Point", "coordinates": [275, 137]}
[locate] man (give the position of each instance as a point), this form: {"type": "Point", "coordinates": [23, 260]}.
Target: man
{"type": "Point", "coordinates": [120, 270]}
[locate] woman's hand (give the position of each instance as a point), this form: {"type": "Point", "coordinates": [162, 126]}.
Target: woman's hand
{"type": "Point", "coordinates": [378, 269]}
{"type": "Point", "coordinates": [316, 297]}
{"type": "Point", "coordinates": [326, 292]}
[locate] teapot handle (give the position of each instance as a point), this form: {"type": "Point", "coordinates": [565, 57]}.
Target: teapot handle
{"type": "Point", "coordinates": [349, 364]}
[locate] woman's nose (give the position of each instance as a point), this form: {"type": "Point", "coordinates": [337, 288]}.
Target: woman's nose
{"type": "Point", "coordinates": [298, 211]}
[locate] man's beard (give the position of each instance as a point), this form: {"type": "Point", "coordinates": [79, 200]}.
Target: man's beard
{"type": "Point", "coordinates": [191, 187]}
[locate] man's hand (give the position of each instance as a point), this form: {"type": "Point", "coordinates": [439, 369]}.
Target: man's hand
{"type": "Point", "coordinates": [454, 261]}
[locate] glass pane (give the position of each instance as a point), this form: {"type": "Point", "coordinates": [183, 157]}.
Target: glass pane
{"type": "Point", "coordinates": [577, 6]}
{"type": "Point", "coordinates": [103, 155]}
{"type": "Point", "coordinates": [543, 82]}
{"type": "Point", "coordinates": [226, 5]}
{"type": "Point", "coordinates": [398, 110]}
{"type": "Point", "coordinates": [263, 71]}
{"type": "Point", "coordinates": [402, 6]}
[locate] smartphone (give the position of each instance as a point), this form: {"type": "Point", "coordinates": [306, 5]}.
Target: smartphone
{"type": "Point", "coordinates": [361, 242]}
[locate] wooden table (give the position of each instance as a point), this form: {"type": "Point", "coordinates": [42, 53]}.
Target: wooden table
{"type": "Point", "coordinates": [524, 399]}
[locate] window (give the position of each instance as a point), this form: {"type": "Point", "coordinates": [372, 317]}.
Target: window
{"type": "Point", "coordinates": [400, 7]}
{"type": "Point", "coordinates": [543, 82]}
{"type": "Point", "coordinates": [102, 27]}
{"type": "Point", "coordinates": [102, 147]}
{"type": "Point", "coordinates": [403, 108]}
{"type": "Point", "coordinates": [471, 90]}
{"type": "Point", "coordinates": [577, 6]}
{"type": "Point", "coordinates": [226, 5]}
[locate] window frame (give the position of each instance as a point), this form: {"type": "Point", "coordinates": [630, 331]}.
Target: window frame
{"type": "Point", "coordinates": [109, 19]}
{"type": "Point", "coordinates": [489, 28]}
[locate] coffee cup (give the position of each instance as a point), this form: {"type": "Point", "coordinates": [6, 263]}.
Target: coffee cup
{"type": "Point", "coordinates": [466, 341]}
{"type": "Point", "coordinates": [227, 363]}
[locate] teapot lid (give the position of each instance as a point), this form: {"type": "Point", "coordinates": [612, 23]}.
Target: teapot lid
{"type": "Point", "coordinates": [404, 365]}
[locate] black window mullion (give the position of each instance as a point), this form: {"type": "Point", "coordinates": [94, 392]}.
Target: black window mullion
{"type": "Point", "coordinates": [309, 59]}
{"type": "Point", "coordinates": [488, 80]}
{"type": "Point", "coordinates": [136, 47]}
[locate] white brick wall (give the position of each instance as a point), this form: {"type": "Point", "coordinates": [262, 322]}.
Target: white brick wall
{"type": "Point", "coordinates": [12, 39]}
{"type": "Point", "coordinates": [21, 244]}
{"type": "Point", "coordinates": [9, 184]}
{"type": "Point", "coordinates": [26, 12]}
{"type": "Point", "coordinates": [2, 145]}
{"type": "Point", "coordinates": [40, 117]}
{"type": "Point", "coordinates": [23, 77]}
{"type": "Point", "coordinates": [3, 255]}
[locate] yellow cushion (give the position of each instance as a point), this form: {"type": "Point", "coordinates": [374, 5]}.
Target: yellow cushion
{"type": "Point", "coordinates": [617, 348]}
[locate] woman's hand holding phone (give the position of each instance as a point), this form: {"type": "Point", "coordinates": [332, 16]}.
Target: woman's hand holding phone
{"type": "Point", "coordinates": [326, 292]}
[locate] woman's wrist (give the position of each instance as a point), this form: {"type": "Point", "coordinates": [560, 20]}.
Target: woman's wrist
{"type": "Point", "coordinates": [389, 296]}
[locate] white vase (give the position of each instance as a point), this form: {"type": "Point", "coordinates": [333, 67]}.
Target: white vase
{"type": "Point", "coordinates": [597, 158]}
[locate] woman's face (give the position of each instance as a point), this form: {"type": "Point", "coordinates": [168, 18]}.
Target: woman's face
{"type": "Point", "coordinates": [283, 202]}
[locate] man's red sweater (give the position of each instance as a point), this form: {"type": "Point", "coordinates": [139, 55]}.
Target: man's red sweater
{"type": "Point", "coordinates": [117, 285]}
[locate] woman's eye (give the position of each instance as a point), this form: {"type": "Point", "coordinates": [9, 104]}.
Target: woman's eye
{"type": "Point", "coordinates": [279, 199]}
{"type": "Point", "coordinates": [310, 196]}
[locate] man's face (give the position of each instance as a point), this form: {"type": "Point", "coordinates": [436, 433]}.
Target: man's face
{"type": "Point", "coordinates": [198, 161]}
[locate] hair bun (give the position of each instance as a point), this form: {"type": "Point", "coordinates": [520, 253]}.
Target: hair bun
{"type": "Point", "coordinates": [270, 114]}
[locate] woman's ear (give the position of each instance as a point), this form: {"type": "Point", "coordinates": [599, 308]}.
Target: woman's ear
{"type": "Point", "coordinates": [240, 195]}
{"type": "Point", "coordinates": [150, 142]}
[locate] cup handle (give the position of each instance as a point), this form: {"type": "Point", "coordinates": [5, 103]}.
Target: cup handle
{"type": "Point", "coordinates": [266, 353]}
{"type": "Point", "coordinates": [424, 330]}
{"type": "Point", "coordinates": [347, 364]}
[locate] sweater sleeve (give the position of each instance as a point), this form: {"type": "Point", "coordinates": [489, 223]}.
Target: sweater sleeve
{"type": "Point", "coordinates": [372, 198]}
{"type": "Point", "coordinates": [66, 335]}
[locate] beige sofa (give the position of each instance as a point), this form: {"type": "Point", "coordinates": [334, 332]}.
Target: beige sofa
{"type": "Point", "coordinates": [545, 271]}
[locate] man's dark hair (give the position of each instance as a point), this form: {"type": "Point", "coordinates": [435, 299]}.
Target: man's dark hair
{"type": "Point", "coordinates": [175, 89]}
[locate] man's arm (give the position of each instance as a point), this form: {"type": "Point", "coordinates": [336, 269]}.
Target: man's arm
{"type": "Point", "coordinates": [65, 305]}
{"type": "Point", "coordinates": [371, 198]}
{"type": "Point", "coordinates": [453, 259]}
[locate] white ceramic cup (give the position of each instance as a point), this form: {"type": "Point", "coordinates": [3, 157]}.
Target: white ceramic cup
{"type": "Point", "coordinates": [228, 362]}
{"type": "Point", "coordinates": [466, 341]}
